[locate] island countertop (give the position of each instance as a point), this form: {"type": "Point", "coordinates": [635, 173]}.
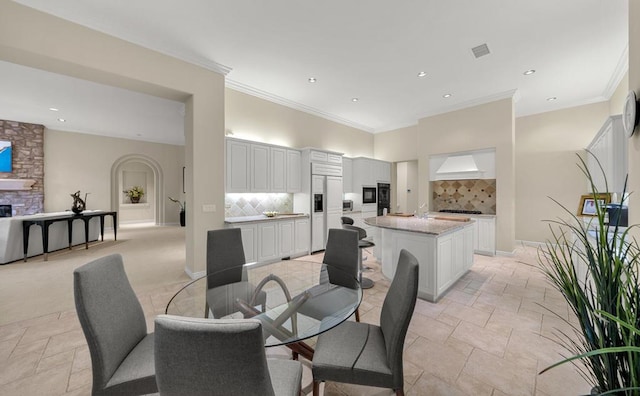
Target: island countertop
{"type": "Point", "coordinates": [414, 224]}
{"type": "Point", "coordinates": [251, 219]}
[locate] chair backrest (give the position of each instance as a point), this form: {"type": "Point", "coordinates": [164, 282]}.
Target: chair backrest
{"type": "Point", "coordinates": [397, 310]}
{"type": "Point", "coordinates": [210, 357]}
{"type": "Point", "coordinates": [225, 256]}
{"type": "Point", "coordinates": [362, 233]}
{"type": "Point", "coordinates": [346, 220]}
{"type": "Point", "coordinates": [342, 253]}
{"type": "Point", "coordinates": [110, 314]}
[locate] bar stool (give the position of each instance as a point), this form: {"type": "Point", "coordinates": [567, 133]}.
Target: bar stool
{"type": "Point", "coordinates": [347, 223]}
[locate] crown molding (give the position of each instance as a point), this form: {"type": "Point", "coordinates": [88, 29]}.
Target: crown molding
{"type": "Point", "coordinates": [238, 86]}
{"type": "Point", "coordinates": [510, 94]}
{"type": "Point", "coordinates": [618, 73]}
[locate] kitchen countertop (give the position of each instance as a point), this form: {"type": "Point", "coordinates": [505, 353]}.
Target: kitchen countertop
{"type": "Point", "coordinates": [460, 214]}
{"type": "Point", "coordinates": [415, 224]}
{"type": "Point", "coordinates": [251, 219]}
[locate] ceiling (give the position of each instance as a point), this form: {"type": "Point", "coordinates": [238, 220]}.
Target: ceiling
{"type": "Point", "coordinates": [365, 49]}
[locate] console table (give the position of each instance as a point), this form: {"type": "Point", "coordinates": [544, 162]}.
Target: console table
{"type": "Point", "coordinates": [45, 221]}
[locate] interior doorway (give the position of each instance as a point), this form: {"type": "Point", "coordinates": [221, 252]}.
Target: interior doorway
{"type": "Point", "coordinates": [141, 171]}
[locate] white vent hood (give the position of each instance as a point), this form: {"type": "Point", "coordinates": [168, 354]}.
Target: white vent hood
{"type": "Point", "coordinates": [459, 167]}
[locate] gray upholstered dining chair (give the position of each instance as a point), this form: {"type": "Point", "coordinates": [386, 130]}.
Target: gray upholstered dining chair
{"type": "Point", "coordinates": [341, 267]}
{"type": "Point", "coordinates": [363, 243]}
{"type": "Point", "coordinates": [115, 328]}
{"type": "Point", "coordinates": [225, 257]}
{"type": "Point", "coordinates": [196, 356]}
{"type": "Point", "coordinates": [366, 354]}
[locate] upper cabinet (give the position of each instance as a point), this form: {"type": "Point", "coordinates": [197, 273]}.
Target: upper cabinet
{"type": "Point", "coordinates": [610, 148]}
{"type": "Point", "coordinates": [369, 172]}
{"type": "Point", "coordinates": [257, 167]}
{"type": "Point", "coordinates": [347, 175]}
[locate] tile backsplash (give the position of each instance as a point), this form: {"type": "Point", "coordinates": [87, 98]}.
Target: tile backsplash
{"type": "Point", "coordinates": [472, 194]}
{"type": "Point", "coordinates": [239, 205]}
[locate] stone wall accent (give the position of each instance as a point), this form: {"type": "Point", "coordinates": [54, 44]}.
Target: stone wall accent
{"type": "Point", "coordinates": [27, 142]}
{"type": "Point", "coordinates": [472, 194]}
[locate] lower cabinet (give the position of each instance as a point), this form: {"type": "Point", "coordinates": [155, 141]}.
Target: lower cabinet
{"type": "Point", "coordinates": [272, 240]}
{"type": "Point", "coordinates": [486, 235]}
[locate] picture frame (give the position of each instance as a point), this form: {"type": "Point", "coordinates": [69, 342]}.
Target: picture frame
{"type": "Point", "coordinates": [587, 203]}
{"type": "Point", "coordinates": [5, 156]}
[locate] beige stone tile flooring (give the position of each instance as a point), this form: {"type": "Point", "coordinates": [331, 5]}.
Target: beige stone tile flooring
{"type": "Point", "coordinates": [489, 335]}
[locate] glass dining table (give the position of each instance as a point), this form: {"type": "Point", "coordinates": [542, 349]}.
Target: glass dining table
{"type": "Point", "coordinates": [294, 299]}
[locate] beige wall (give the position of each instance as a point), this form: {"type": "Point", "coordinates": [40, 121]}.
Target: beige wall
{"type": "Point", "coordinates": [634, 142]}
{"type": "Point", "coordinates": [68, 169]}
{"type": "Point", "coordinates": [397, 145]}
{"type": "Point", "coordinates": [252, 118]}
{"type": "Point", "coordinates": [616, 102]}
{"type": "Point", "coordinates": [39, 40]}
{"type": "Point", "coordinates": [547, 146]}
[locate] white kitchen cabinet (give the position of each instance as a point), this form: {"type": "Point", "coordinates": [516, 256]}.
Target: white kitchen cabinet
{"type": "Point", "coordinates": [259, 168]}
{"type": "Point", "coordinates": [382, 171]}
{"type": "Point", "coordinates": [256, 167]}
{"type": "Point", "coordinates": [368, 172]}
{"type": "Point", "coordinates": [486, 235]}
{"type": "Point", "coordinates": [237, 175]}
{"type": "Point", "coordinates": [249, 241]}
{"type": "Point", "coordinates": [302, 236]}
{"type": "Point", "coordinates": [294, 171]}
{"type": "Point", "coordinates": [267, 241]}
{"type": "Point", "coordinates": [347, 175]}
{"type": "Point", "coordinates": [610, 148]}
{"type": "Point", "coordinates": [286, 238]}
{"type": "Point", "coordinates": [278, 175]}
{"type": "Point", "coordinates": [317, 223]}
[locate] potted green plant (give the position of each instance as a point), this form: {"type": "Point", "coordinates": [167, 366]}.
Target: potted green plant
{"type": "Point", "coordinates": [134, 193]}
{"type": "Point", "coordinates": [605, 301]}
{"type": "Point", "coordinates": [182, 210]}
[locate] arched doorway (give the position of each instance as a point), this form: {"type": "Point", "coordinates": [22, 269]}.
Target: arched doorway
{"type": "Point", "coordinates": [137, 169]}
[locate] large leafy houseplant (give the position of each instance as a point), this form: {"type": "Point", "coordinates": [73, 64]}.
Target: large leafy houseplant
{"type": "Point", "coordinates": [605, 301]}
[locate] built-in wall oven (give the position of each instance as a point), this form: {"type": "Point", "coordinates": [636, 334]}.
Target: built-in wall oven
{"type": "Point", "coordinates": [368, 195]}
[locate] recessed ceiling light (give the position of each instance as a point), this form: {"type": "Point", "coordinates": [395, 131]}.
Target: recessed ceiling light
{"type": "Point", "coordinates": [529, 72]}
{"type": "Point", "coordinates": [62, 120]}
{"type": "Point", "coordinates": [551, 99]}
{"type": "Point", "coordinates": [312, 79]}
{"type": "Point", "coordinates": [354, 99]}
{"type": "Point", "coordinates": [446, 96]}
{"type": "Point", "coordinates": [422, 74]}
{"type": "Point", "coordinates": [53, 109]}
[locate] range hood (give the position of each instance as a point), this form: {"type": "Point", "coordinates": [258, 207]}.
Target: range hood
{"type": "Point", "coordinates": [459, 167]}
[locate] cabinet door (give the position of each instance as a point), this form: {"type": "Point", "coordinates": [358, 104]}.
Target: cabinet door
{"type": "Point", "coordinates": [286, 240]}
{"type": "Point", "coordinates": [347, 175]}
{"type": "Point", "coordinates": [259, 168]}
{"type": "Point", "coordinates": [382, 171]}
{"type": "Point", "coordinates": [249, 242]}
{"type": "Point", "coordinates": [294, 171]}
{"type": "Point", "coordinates": [267, 241]}
{"type": "Point", "coordinates": [487, 235]}
{"type": "Point", "coordinates": [444, 262]}
{"type": "Point", "coordinates": [334, 194]}
{"type": "Point", "coordinates": [302, 236]}
{"type": "Point", "coordinates": [278, 170]}
{"type": "Point", "coordinates": [237, 167]}
{"type": "Point", "coordinates": [317, 232]}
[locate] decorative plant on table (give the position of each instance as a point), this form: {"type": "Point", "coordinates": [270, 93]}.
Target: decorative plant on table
{"type": "Point", "coordinates": [135, 193]}
{"type": "Point", "coordinates": [183, 205]}
{"type": "Point", "coordinates": [605, 301]}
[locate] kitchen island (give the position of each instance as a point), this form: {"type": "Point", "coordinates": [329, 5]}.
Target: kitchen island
{"type": "Point", "coordinates": [444, 249]}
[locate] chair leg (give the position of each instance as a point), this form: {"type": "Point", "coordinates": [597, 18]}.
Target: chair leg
{"type": "Point", "coordinates": [358, 315]}
{"type": "Point", "coordinates": [316, 388]}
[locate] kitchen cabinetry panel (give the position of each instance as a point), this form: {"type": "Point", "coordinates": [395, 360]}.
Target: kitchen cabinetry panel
{"type": "Point", "coordinates": [294, 171]}
{"type": "Point", "coordinates": [286, 240]}
{"type": "Point", "coordinates": [486, 236]}
{"type": "Point", "coordinates": [347, 175]}
{"type": "Point", "coordinates": [255, 167]}
{"type": "Point", "coordinates": [259, 168]}
{"type": "Point", "coordinates": [267, 241]}
{"type": "Point", "coordinates": [302, 236]}
{"type": "Point", "coordinates": [249, 241]}
{"type": "Point", "coordinates": [278, 170]}
{"type": "Point", "coordinates": [237, 167]}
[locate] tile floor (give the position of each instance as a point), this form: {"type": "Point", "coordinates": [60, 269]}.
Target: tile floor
{"type": "Point", "coordinates": [489, 335]}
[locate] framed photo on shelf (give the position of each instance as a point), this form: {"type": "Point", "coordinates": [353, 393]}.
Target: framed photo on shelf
{"type": "Point", "coordinates": [588, 203]}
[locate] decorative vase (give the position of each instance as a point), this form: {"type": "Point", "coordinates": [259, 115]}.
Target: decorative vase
{"type": "Point", "coordinates": [182, 218]}
{"type": "Point", "coordinates": [134, 199]}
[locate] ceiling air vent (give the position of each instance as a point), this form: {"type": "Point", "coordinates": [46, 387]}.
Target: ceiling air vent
{"type": "Point", "coordinates": [480, 50]}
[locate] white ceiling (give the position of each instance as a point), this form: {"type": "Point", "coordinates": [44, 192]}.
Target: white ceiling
{"type": "Point", "coordinates": [369, 49]}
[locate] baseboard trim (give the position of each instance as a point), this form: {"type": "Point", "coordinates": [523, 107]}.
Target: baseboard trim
{"type": "Point", "coordinates": [505, 254]}
{"type": "Point", "coordinates": [531, 243]}
{"type": "Point", "coordinates": [194, 275]}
